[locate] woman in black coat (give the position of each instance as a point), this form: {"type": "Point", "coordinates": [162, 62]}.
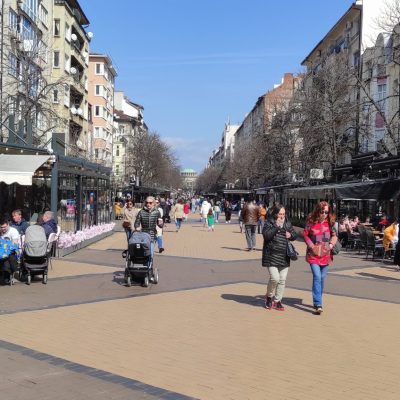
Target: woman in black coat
{"type": "Point", "coordinates": [277, 231]}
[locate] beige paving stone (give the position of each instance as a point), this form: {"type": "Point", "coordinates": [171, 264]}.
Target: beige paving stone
{"type": "Point", "coordinates": [226, 243]}
{"type": "Point", "coordinates": [384, 272]}
{"type": "Point", "coordinates": [62, 268]}
{"type": "Point", "coordinates": [214, 343]}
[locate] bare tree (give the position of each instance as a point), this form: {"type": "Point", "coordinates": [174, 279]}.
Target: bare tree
{"type": "Point", "coordinates": [28, 92]}
{"type": "Point", "coordinates": [152, 160]}
{"type": "Point", "coordinates": [328, 109]}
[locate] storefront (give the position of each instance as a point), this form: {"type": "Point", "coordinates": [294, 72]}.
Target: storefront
{"type": "Point", "coordinates": [35, 181]}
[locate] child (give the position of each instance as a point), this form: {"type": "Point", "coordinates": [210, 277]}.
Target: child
{"type": "Point", "coordinates": [210, 220]}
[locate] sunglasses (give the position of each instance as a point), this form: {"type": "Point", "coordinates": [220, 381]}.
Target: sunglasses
{"type": "Point", "coordinates": [324, 212]}
{"type": "Point", "coordinates": [148, 202]}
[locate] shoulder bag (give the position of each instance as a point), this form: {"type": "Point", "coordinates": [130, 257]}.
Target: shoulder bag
{"type": "Point", "coordinates": [291, 251]}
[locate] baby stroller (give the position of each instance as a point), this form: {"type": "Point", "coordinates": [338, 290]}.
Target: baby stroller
{"type": "Point", "coordinates": [139, 262]}
{"type": "Point", "coordinates": [36, 254]}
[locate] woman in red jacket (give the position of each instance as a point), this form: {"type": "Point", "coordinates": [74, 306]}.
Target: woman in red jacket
{"type": "Point", "coordinates": [320, 236]}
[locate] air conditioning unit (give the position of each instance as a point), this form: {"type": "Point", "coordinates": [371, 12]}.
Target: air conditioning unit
{"type": "Point", "coordinates": [28, 45]}
{"type": "Point", "coordinates": [316, 173]}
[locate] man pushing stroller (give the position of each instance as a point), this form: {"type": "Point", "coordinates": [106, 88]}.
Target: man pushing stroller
{"type": "Point", "coordinates": [148, 218]}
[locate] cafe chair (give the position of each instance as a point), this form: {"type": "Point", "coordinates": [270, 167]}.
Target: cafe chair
{"type": "Point", "coordinates": [373, 245]}
{"type": "Point", "coordinates": [389, 251]}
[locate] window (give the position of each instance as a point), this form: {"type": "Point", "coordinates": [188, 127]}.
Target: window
{"type": "Point", "coordinates": [13, 67]}
{"type": "Point", "coordinates": [117, 152]}
{"type": "Point", "coordinates": [98, 90]}
{"type": "Point", "coordinates": [43, 14]}
{"type": "Point", "coordinates": [382, 94]}
{"type": "Point", "coordinates": [67, 62]}
{"type": "Point", "coordinates": [66, 95]}
{"type": "Point", "coordinates": [67, 32]}
{"type": "Point", "coordinates": [96, 153]}
{"type": "Point", "coordinates": [55, 96]}
{"type": "Point", "coordinates": [56, 59]}
{"type": "Point", "coordinates": [97, 110]}
{"type": "Point", "coordinates": [13, 23]}
{"type": "Point", "coordinates": [117, 169]}
{"type": "Point", "coordinates": [99, 68]}
{"type": "Point", "coordinates": [56, 27]}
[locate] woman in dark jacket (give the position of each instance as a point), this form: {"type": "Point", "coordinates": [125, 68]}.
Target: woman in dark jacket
{"type": "Point", "coordinates": [277, 231]}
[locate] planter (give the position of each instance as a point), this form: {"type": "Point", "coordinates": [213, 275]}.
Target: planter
{"type": "Point", "coordinates": [85, 243]}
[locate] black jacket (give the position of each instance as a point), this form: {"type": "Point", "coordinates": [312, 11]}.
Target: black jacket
{"type": "Point", "coordinates": [275, 243]}
{"type": "Point", "coordinates": [147, 219]}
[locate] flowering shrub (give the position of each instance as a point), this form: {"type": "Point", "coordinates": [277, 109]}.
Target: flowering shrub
{"type": "Point", "coordinates": [69, 239]}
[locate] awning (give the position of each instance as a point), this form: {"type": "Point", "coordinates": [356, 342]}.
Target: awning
{"type": "Point", "coordinates": [20, 168]}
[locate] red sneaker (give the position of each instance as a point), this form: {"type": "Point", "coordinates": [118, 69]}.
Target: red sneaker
{"type": "Point", "coordinates": [278, 306]}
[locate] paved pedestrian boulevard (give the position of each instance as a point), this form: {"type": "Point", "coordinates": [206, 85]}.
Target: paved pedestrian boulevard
{"type": "Point", "coordinates": [202, 332]}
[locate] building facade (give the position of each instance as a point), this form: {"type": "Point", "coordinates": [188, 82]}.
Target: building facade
{"type": "Point", "coordinates": [189, 177]}
{"type": "Point", "coordinates": [70, 61]}
{"type": "Point", "coordinates": [129, 122]}
{"type": "Point", "coordinates": [102, 76]}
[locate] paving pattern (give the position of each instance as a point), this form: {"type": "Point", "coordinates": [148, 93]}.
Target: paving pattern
{"type": "Point", "coordinates": [202, 332]}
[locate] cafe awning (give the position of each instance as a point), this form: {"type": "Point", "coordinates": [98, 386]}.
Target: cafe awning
{"type": "Point", "coordinates": [20, 168]}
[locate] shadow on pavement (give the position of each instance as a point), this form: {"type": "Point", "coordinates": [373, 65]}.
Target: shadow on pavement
{"type": "Point", "coordinates": [375, 276]}
{"type": "Point", "coordinates": [258, 301]}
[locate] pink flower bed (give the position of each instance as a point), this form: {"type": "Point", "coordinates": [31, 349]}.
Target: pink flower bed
{"type": "Point", "coordinates": [69, 239]}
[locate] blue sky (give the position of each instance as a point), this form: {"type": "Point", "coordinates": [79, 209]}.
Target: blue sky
{"type": "Point", "coordinates": [194, 64]}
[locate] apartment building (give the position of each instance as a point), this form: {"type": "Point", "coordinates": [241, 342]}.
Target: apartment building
{"type": "Point", "coordinates": [70, 61]}
{"type": "Point", "coordinates": [25, 70]}
{"type": "Point", "coordinates": [259, 119]}
{"type": "Point", "coordinates": [102, 76]}
{"type": "Point", "coordinates": [128, 119]}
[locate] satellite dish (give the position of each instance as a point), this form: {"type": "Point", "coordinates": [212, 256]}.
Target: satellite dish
{"type": "Point", "coordinates": [74, 110]}
{"type": "Point", "coordinates": [74, 37]}
{"type": "Point", "coordinates": [79, 111]}
{"type": "Point", "coordinates": [79, 143]}
{"type": "Point", "coordinates": [73, 70]}
{"type": "Point", "coordinates": [89, 35]}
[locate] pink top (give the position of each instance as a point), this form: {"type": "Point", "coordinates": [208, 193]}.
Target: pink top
{"type": "Point", "coordinates": [186, 208]}
{"type": "Point", "coordinates": [319, 232]}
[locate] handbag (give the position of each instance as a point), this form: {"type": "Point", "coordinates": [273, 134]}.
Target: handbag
{"type": "Point", "coordinates": [336, 248]}
{"type": "Point", "coordinates": [291, 251]}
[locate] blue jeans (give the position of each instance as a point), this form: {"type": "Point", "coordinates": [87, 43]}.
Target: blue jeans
{"type": "Point", "coordinates": [178, 223]}
{"type": "Point", "coordinates": [319, 273]}
{"type": "Point", "coordinates": [160, 242]}
{"type": "Point", "coordinates": [216, 215]}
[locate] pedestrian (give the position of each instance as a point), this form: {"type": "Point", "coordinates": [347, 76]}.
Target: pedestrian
{"type": "Point", "coordinates": [240, 218]}
{"type": "Point", "coordinates": [210, 220]}
{"type": "Point", "coordinates": [186, 209]}
{"type": "Point", "coordinates": [228, 212]}
{"type": "Point", "coordinates": [262, 217]}
{"type": "Point", "coordinates": [147, 219]}
{"type": "Point", "coordinates": [320, 237]}
{"type": "Point", "coordinates": [250, 216]}
{"type": "Point", "coordinates": [129, 213]}
{"type": "Point", "coordinates": [159, 229]}
{"type": "Point", "coordinates": [277, 231]}
{"type": "Point", "coordinates": [178, 214]}
{"type": "Point", "coordinates": [217, 211]}
{"type": "Point", "coordinates": [205, 207]}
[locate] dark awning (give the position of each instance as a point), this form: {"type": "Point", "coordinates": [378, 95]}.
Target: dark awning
{"type": "Point", "coordinates": [385, 190]}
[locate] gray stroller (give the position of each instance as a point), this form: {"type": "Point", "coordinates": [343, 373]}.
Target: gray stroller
{"type": "Point", "coordinates": [35, 256]}
{"type": "Point", "coordinates": [139, 262]}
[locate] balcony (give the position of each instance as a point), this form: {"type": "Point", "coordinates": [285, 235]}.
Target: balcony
{"type": "Point", "coordinates": [30, 12]}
